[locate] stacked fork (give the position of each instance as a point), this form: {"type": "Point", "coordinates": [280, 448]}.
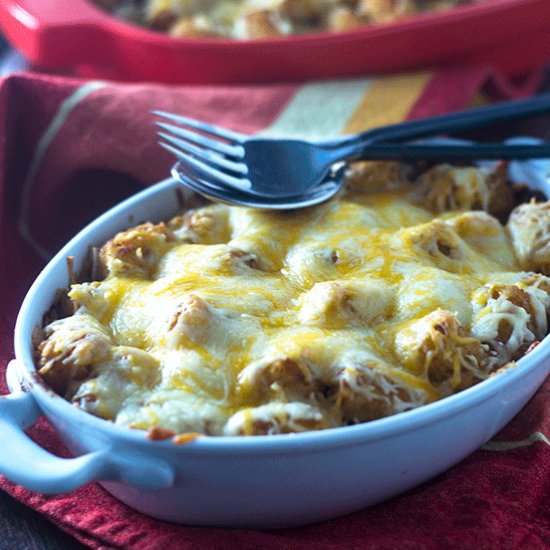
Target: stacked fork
{"type": "Point", "coordinates": [273, 173]}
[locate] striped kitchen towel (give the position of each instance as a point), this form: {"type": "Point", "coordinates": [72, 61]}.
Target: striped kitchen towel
{"type": "Point", "coordinates": [69, 149]}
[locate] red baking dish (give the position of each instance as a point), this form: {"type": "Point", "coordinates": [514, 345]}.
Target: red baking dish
{"type": "Point", "coordinates": [511, 35]}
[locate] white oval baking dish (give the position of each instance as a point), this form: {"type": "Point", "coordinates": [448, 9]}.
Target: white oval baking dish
{"type": "Point", "coordinates": [258, 482]}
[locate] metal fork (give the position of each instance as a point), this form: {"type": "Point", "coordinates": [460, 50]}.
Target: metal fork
{"type": "Point", "coordinates": [280, 168]}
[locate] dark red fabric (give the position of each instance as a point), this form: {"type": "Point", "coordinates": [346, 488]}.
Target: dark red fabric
{"type": "Point", "coordinates": [104, 150]}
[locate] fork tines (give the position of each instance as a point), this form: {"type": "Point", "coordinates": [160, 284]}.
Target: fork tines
{"type": "Point", "coordinates": [213, 153]}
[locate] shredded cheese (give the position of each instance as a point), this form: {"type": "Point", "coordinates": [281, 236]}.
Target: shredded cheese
{"type": "Point", "coordinates": [233, 321]}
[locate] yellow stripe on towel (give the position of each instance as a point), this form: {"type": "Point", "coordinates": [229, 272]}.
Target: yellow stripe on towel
{"type": "Point", "coordinates": [387, 101]}
{"type": "Point", "coordinates": [320, 109]}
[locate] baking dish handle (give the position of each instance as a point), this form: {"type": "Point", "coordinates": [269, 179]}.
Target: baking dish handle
{"type": "Point", "coordinates": [58, 33]}
{"type": "Point", "coordinates": [56, 12]}
{"type": "Point", "coordinates": [26, 463]}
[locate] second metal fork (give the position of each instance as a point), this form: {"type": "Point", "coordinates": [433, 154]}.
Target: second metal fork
{"type": "Point", "coordinates": [274, 168]}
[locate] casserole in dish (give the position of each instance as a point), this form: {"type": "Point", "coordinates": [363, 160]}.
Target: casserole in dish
{"type": "Point", "coordinates": [271, 481]}
{"type": "Point", "coordinates": [224, 320]}
{"type": "Point", "coordinates": [249, 19]}
{"type": "Point", "coordinates": [510, 35]}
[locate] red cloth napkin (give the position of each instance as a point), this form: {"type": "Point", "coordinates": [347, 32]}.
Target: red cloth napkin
{"type": "Point", "coordinates": [69, 149]}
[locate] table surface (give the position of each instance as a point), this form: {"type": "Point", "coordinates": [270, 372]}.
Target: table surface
{"type": "Point", "coordinates": [23, 528]}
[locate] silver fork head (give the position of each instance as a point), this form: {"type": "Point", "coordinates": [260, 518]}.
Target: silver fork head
{"type": "Point", "coordinates": [263, 167]}
{"type": "Point", "coordinates": [216, 154]}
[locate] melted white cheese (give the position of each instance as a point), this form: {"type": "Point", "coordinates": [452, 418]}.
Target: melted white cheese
{"type": "Point", "coordinates": [236, 321]}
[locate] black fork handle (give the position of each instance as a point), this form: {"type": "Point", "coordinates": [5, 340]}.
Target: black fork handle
{"type": "Point", "coordinates": [468, 119]}
{"type": "Point", "coordinates": [453, 152]}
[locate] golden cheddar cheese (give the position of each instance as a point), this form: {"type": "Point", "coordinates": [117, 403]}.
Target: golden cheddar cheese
{"type": "Point", "coordinates": [225, 320]}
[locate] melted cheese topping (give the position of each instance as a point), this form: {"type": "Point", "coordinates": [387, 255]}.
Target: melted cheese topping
{"type": "Point", "coordinates": [235, 321]}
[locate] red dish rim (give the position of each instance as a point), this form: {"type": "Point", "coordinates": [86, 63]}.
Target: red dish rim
{"type": "Point", "coordinates": [94, 15]}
